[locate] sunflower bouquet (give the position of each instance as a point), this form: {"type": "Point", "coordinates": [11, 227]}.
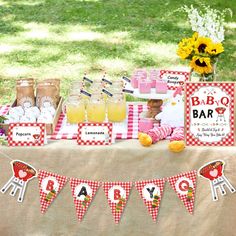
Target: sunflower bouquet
{"type": "Point", "coordinates": [205, 45]}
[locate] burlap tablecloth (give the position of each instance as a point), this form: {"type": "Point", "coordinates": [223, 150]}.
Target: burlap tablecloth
{"type": "Point", "coordinates": [124, 161]}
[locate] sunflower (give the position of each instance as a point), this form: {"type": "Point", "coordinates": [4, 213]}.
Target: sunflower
{"type": "Point", "coordinates": [185, 48]}
{"type": "Point", "coordinates": [195, 36]}
{"type": "Point", "coordinates": [215, 49]}
{"type": "Point", "coordinates": [201, 65]}
{"type": "Point", "coordinates": [201, 44]}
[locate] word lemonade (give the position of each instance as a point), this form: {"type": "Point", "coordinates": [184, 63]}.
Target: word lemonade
{"type": "Point", "coordinates": [95, 101]}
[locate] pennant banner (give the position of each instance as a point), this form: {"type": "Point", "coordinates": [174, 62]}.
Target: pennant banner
{"type": "Point", "coordinates": [151, 192]}
{"type": "Point", "coordinates": [83, 192]}
{"type": "Point", "coordinates": [117, 194]}
{"type": "Point", "coordinates": [50, 185]}
{"type": "Point", "coordinates": [185, 185]}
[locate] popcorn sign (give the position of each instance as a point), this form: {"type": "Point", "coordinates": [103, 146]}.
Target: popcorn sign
{"type": "Point", "coordinates": [26, 134]}
{"type": "Point", "coordinates": [210, 114]}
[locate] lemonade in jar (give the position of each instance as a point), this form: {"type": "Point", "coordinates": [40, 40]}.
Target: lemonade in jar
{"type": "Point", "coordinates": [116, 108]}
{"type": "Point", "coordinates": [75, 109]}
{"type": "Point", "coordinates": [96, 108]}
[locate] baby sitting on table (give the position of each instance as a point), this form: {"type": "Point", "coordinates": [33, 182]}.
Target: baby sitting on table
{"type": "Point", "coordinates": [172, 122]}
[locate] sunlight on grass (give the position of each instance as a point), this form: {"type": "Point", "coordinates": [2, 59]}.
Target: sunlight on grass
{"type": "Point", "coordinates": [59, 38]}
{"type": "Point", "coordinates": [114, 65]}
{"type": "Point", "coordinates": [15, 71]}
{"type": "Point", "coordinates": [84, 36]}
{"type": "Point", "coordinates": [159, 50]}
{"type": "Point", "coordinates": [117, 37]}
{"type": "Point", "coordinates": [7, 48]}
{"type": "Point", "coordinates": [2, 3]}
{"type": "Point", "coordinates": [78, 57]}
{"type": "Point", "coordinates": [35, 31]}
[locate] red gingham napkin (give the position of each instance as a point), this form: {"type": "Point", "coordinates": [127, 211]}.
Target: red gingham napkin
{"type": "Point", "coordinates": [83, 202]}
{"type": "Point", "coordinates": [49, 181]}
{"type": "Point", "coordinates": [180, 184]}
{"type": "Point", "coordinates": [110, 188]}
{"type": "Point", "coordinates": [156, 186]}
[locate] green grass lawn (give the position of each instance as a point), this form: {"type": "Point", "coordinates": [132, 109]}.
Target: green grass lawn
{"type": "Point", "coordinates": [64, 38]}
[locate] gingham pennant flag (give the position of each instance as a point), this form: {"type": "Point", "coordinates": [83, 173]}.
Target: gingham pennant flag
{"type": "Point", "coordinates": [83, 192]}
{"type": "Point", "coordinates": [151, 191]}
{"type": "Point", "coordinates": [185, 186]}
{"type": "Point", "coordinates": [117, 194]}
{"type": "Point", "coordinates": [50, 185]}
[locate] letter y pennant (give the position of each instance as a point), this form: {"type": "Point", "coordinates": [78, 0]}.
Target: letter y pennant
{"type": "Point", "coordinates": [151, 192]}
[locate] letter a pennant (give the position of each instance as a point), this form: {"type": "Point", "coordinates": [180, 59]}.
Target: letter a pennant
{"type": "Point", "coordinates": [151, 192]}
{"type": "Point", "coordinates": [83, 192]}
{"type": "Point", "coordinates": [117, 194]}
{"type": "Point", "coordinates": [50, 185]}
{"type": "Point", "coordinates": [185, 186]}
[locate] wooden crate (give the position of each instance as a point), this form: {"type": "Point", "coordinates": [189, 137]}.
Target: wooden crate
{"type": "Point", "coordinates": [50, 128]}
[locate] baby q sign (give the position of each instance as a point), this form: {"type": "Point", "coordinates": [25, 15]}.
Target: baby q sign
{"type": "Point", "coordinates": [210, 114]}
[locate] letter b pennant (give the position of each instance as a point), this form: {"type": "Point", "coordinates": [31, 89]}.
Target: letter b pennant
{"type": "Point", "coordinates": [50, 185]}
{"type": "Point", "coordinates": [117, 194]}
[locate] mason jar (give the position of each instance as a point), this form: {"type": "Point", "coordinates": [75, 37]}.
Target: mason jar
{"type": "Point", "coordinates": [116, 108]}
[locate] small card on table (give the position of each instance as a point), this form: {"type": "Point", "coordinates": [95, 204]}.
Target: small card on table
{"type": "Point", "coordinates": [174, 78]}
{"type": "Point", "coordinates": [94, 133]}
{"type": "Point", "coordinates": [26, 134]}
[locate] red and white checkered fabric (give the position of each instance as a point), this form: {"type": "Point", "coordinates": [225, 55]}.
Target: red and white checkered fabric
{"type": "Point", "coordinates": [160, 183]}
{"type": "Point", "coordinates": [126, 186]}
{"type": "Point", "coordinates": [80, 208]}
{"type": "Point", "coordinates": [130, 133]}
{"type": "Point", "coordinates": [4, 109]}
{"type": "Point", "coordinates": [61, 180]}
{"type": "Point", "coordinates": [39, 142]}
{"type": "Point", "coordinates": [180, 183]}
{"type": "Point", "coordinates": [185, 74]}
{"type": "Point", "coordinates": [190, 139]}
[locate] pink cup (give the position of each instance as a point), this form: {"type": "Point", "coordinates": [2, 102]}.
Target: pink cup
{"type": "Point", "coordinates": [141, 73]}
{"type": "Point", "coordinates": [145, 124]}
{"type": "Point", "coordinates": [144, 86]}
{"type": "Point", "coordinates": [161, 86]}
{"type": "Point", "coordinates": [154, 76]}
{"type": "Point", "coordinates": [134, 81]}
